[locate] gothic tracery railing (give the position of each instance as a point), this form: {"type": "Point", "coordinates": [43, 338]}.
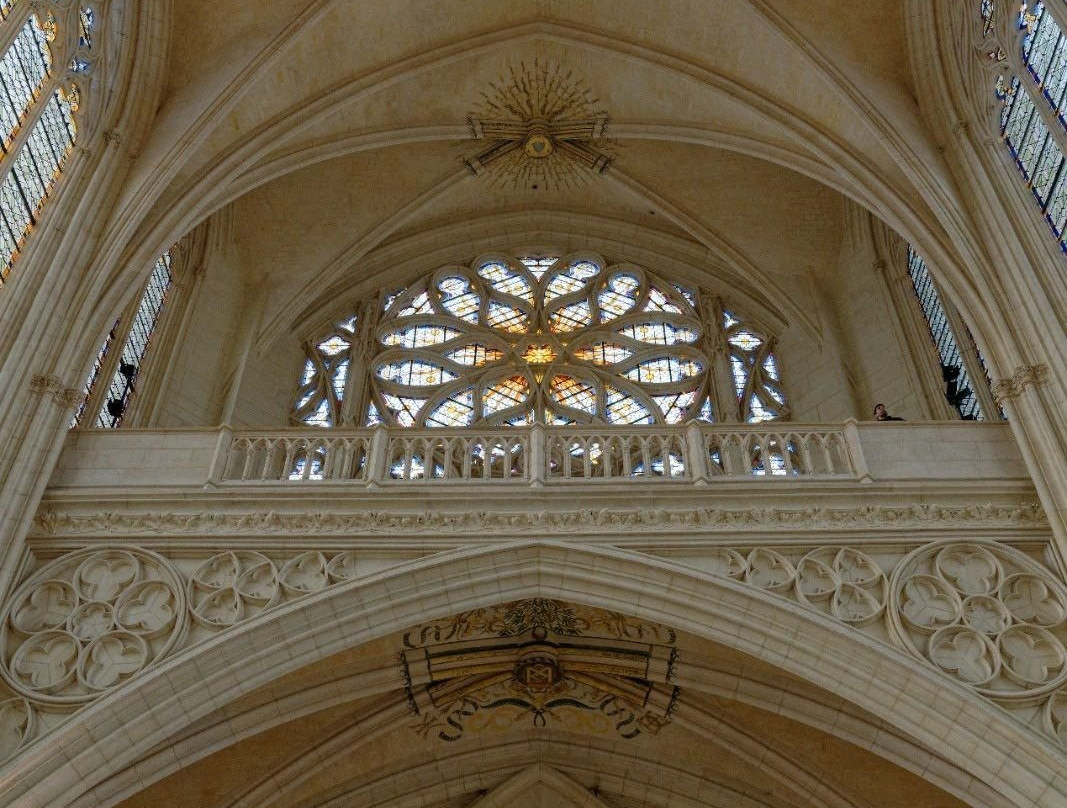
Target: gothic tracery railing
{"type": "Point", "coordinates": [540, 455]}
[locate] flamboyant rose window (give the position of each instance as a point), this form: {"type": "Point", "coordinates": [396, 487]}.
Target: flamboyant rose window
{"type": "Point", "coordinates": [511, 341]}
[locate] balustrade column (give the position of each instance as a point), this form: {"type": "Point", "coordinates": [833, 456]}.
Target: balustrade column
{"type": "Point", "coordinates": [536, 463]}
{"type": "Point", "coordinates": [855, 452]}
{"type": "Point", "coordinates": [221, 459]}
{"type": "Point", "coordinates": [736, 461]}
{"type": "Point", "coordinates": [378, 457]}
{"type": "Point", "coordinates": [696, 462]}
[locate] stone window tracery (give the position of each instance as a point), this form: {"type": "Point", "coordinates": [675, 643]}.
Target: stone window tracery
{"type": "Point", "coordinates": [513, 341]}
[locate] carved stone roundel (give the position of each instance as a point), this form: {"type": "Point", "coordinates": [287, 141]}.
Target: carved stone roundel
{"type": "Point", "coordinates": [986, 615]}
{"type": "Point", "coordinates": [232, 586]}
{"type": "Point", "coordinates": [87, 622]}
{"type": "Point", "coordinates": [848, 582]}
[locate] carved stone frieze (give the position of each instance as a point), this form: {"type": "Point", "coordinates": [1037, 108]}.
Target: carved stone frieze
{"type": "Point", "coordinates": [577, 522]}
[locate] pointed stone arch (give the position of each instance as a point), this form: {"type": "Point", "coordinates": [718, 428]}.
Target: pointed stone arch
{"type": "Point", "coordinates": [113, 733]}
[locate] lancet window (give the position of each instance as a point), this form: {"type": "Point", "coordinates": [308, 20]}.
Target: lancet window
{"type": "Point", "coordinates": [123, 370]}
{"type": "Point", "coordinates": [513, 341]}
{"type": "Point", "coordinates": [962, 366]}
{"type": "Point", "coordinates": [39, 104]}
{"type": "Point", "coordinates": [1033, 118]}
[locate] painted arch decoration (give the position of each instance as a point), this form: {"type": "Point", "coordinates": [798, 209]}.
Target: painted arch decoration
{"type": "Point", "coordinates": [513, 340]}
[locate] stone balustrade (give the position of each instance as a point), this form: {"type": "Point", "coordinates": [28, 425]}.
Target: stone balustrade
{"type": "Point", "coordinates": [538, 455]}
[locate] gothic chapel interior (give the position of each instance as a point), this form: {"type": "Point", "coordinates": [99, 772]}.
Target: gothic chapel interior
{"type": "Point", "coordinates": [468, 403]}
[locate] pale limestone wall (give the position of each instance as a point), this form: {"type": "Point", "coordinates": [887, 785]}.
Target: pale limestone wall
{"type": "Point", "coordinates": [889, 104]}
{"type": "Point", "coordinates": [127, 457]}
{"type": "Point", "coordinates": [877, 357]}
{"type": "Point", "coordinates": [268, 386]}
{"type": "Point", "coordinates": [196, 387]}
{"type": "Point", "coordinates": [941, 451]}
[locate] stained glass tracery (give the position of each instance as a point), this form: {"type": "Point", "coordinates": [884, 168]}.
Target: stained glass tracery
{"type": "Point", "coordinates": [510, 341]}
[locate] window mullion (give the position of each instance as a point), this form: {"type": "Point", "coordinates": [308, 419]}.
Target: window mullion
{"type": "Point", "coordinates": [728, 408]}
{"type": "Point", "coordinates": [26, 127]}
{"type": "Point", "coordinates": [10, 27]}
{"type": "Point", "coordinates": [910, 319]}
{"type": "Point", "coordinates": [1053, 122]}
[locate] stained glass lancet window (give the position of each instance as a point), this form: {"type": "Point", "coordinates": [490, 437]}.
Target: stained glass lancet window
{"type": "Point", "coordinates": [38, 106]}
{"type": "Point", "coordinates": [1038, 151]}
{"type": "Point", "coordinates": [510, 341]}
{"type": "Point", "coordinates": [124, 374]}
{"type": "Point", "coordinates": [959, 386]}
{"type": "Point", "coordinates": [23, 70]}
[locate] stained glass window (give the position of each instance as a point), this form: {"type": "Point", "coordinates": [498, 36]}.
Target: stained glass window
{"type": "Point", "coordinates": [1037, 150]}
{"type": "Point", "coordinates": [959, 387]}
{"type": "Point", "coordinates": [23, 71]}
{"type": "Point", "coordinates": [86, 22]}
{"type": "Point", "coordinates": [31, 96]}
{"type": "Point", "coordinates": [754, 367]}
{"type": "Point", "coordinates": [124, 379]}
{"type": "Point", "coordinates": [94, 373]}
{"type": "Point", "coordinates": [322, 384]}
{"type": "Point", "coordinates": [508, 341]}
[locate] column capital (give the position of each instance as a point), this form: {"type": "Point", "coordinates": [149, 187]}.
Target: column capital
{"type": "Point", "coordinates": [53, 387]}
{"type": "Point", "coordinates": [1024, 376]}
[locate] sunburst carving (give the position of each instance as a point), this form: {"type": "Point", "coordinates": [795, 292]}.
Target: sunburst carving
{"type": "Point", "coordinates": [542, 127]}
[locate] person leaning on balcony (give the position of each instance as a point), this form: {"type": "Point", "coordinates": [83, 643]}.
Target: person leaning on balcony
{"type": "Point", "coordinates": [880, 414]}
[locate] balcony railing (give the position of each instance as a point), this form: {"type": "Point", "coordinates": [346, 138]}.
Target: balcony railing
{"type": "Point", "coordinates": [539, 455]}
{"type": "Point", "coordinates": [101, 462]}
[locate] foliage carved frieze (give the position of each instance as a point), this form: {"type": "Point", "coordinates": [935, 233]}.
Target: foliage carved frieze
{"type": "Point", "coordinates": [576, 522]}
{"type": "Point", "coordinates": [541, 661]}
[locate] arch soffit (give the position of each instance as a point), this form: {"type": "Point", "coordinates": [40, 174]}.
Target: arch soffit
{"type": "Point", "coordinates": [454, 774]}
{"type": "Point", "coordinates": [722, 256]}
{"type": "Point", "coordinates": [209, 186]}
{"type": "Point", "coordinates": [610, 758]}
{"type": "Point", "coordinates": [408, 257]}
{"type": "Point", "coordinates": [970, 733]}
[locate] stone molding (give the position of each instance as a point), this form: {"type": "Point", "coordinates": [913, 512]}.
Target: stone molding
{"type": "Point", "coordinates": [50, 523]}
{"type": "Point", "coordinates": [1023, 377]}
